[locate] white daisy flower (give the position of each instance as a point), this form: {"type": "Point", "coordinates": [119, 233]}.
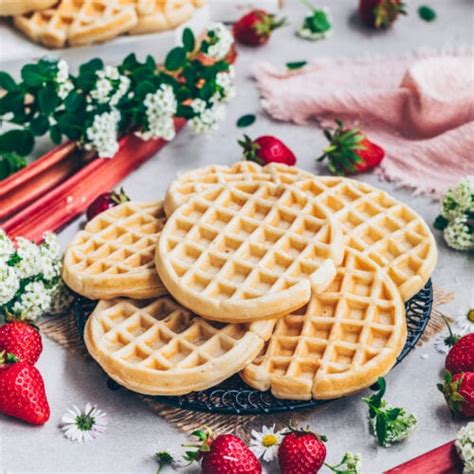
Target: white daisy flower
{"type": "Point", "coordinates": [30, 263]}
{"type": "Point", "coordinates": [9, 284]}
{"type": "Point", "coordinates": [265, 444]}
{"type": "Point", "coordinates": [83, 426]}
{"type": "Point", "coordinates": [462, 324]}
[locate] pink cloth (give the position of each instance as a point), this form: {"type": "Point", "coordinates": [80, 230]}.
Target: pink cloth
{"type": "Point", "coordinates": [420, 110]}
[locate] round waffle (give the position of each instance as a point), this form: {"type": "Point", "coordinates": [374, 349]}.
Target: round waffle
{"type": "Point", "coordinates": [379, 226]}
{"type": "Point", "coordinates": [341, 342]}
{"type": "Point", "coordinates": [160, 348]}
{"type": "Point", "coordinates": [113, 255]}
{"type": "Point", "coordinates": [247, 251]}
{"type": "Point", "coordinates": [196, 181]}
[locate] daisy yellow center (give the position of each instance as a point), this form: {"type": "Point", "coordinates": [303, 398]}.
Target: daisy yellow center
{"type": "Point", "coordinates": [269, 440]}
{"type": "Point", "coordinates": [85, 422]}
{"type": "Point", "coordinates": [470, 315]}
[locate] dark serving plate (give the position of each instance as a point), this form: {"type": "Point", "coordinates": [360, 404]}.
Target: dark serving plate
{"type": "Point", "coordinates": [235, 397]}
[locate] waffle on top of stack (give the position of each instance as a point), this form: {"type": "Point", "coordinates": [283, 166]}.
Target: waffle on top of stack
{"type": "Point", "coordinates": [83, 22]}
{"type": "Point", "coordinates": [295, 280]}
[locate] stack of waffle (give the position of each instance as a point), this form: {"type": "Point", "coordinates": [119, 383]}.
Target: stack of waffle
{"type": "Point", "coordinates": [59, 23]}
{"type": "Point", "coordinates": [295, 281]}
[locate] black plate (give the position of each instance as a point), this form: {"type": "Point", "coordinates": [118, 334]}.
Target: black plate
{"type": "Point", "coordinates": [235, 397]}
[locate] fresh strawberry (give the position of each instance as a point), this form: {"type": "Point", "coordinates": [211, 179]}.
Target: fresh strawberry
{"type": "Point", "coordinates": [225, 454]}
{"type": "Point", "coordinates": [267, 149]}
{"type": "Point", "coordinates": [22, 393]}
{"type": "Point", "coordinates": [350, 151]}
{"type": "Point", "coordinates": [458, 391]}
{"type": "Point", "coordinates": [301, 452]}
{"type": "Point", "coordinates": [460, 357]}
{"type": "Point", "coordinates": [255, 28]}
{"type": "Point", "coordinates": [22, 340]}
{"type": "Point", "coordinates": [106, 201]}
{"type": "Point", "coordinates": [380, 13]}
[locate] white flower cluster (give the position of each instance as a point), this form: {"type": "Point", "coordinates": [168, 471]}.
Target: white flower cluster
{"type": "Point", "coordinates": [208, 117]}
{"type": "Point", "coordinates": [30, 283]}
{"type": "Point", "coordinates": [161, 108]}
{"type": "Point", "coordinates": [457, 208]}
{"type": "Point", "coordinates": [220, 40]}
{"type": "Point", "coordinates": [465, 446]}
{"type": "Point", "coordinates": [308, 33]}
{"type": "Point", "coordinates": [225, 81]}
{"type": "Point", "coordinates": [63, 82]}
{"type": "Point", "coordinates": [102, 134]}
{"type": "Point", "coordinates": [110, 87]}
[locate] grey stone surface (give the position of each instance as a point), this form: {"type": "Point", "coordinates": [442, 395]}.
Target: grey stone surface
{"type": "Point", "coordinates": [135, 433]}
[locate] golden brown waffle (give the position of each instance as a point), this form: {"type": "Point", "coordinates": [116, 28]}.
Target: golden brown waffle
{"type": "Point", "coordinates": [113, 255]}
{"type": "Point", "coordinates": [18, 7]}
{"type": "Point", "coordinates": [195, 181]}
{"type": "Point", "coordinates": [341, 342]}
{"type": "Point", "coordinates": [159, 348]}
{"type": "Point", "coordinates": [79, 22]}
{"type": "Point", "coordinates": [379, 226]}
{"type": "Point", "coordinates": [161, 15]}
{"type": "Point", "coordinates": [247, 251]}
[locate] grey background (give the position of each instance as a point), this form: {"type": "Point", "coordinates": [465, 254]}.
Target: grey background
{"type": "Point", "coordinates": [135, 433]}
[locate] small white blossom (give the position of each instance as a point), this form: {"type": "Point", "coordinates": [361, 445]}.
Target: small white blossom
{"type": "Point", "coordinates": [83, 426]}
{"type": "Point", "coordinates": [465, 446]}
{"type": "Point", "coordinates": [459, 234]}
{"type": "Point", "coordinates": [459, 199]}
{"type": "Point", "coordinates": [6, 247]}
{"type": "Point", "coordinates": [208, 118]}
{"type": "Point", "coordinates": [34, 301]}
{"type": "Point", "coordinates": [64, 83]}
{"type": "Point", "coordinates": [61, 298]}
{"type": "Point", "coordinates": [350, 464]}
{"type": "Point", "coordinates": [161, 107]}
{"type": "Point", "coordinates": [50, 256]}
{"type": "Point", "coordinates": [220, 41]}
{"type": "Point", "coordinates": [102, 135]}
{"type": "Point", "coordinates": [9, 284]}
{"type": "Point", "coordinates": [225, 80]}
{"type": "Point", "coordinates": [30, 263]}
{"type": "Point", "coordinates": [110, 87]}
{"type": "Point", "coordinates": [265, 444]}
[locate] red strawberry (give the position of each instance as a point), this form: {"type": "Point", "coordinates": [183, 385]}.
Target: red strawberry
{"type": "Point", "coordinates": [267, 149]}
{"type": "Point", "coordinates": [460, 357]}
{"type": "Point", "coordinates": [225, 454]}
{"type": "Point", "coordinates": [350, 151]}
{"type": "Point", "coordinates": [22, 393]}
{"type": "Point", "coordinates": [380, 13]}
{"type": "Point", "coordinates": [255, 28]}
{"type": "Point", "coordinates": [106, 201]}
{"type": "Point", "coordinates": [458, 391]}
{"type": "Point", "coordinates": [301, 452]}
{"type": "Point", "coordinates": [22, 340]}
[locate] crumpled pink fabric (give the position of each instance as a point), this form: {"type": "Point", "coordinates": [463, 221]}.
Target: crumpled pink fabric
{"type": "Point", "coordinates": [420, 110]}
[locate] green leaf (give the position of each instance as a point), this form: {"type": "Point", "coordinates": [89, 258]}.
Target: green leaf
{"type": "Point", "coordinates": [188, 40]}
{"type": "Point", "coordinates": [381, 429]}
{"type": "Point", "coordinates": [144, 88]}
{"type": "Point", "coordinates": [426, 13]}
{"type": "Point", "coordinates": [55, 135]}
{"type": "Point", "coordinates": [130, 62]}
{"type": "Point", "coordinates": [440, 223]}
{"type": "Point", "coordinates": [48, 99]}
{"type": "Point", "coordinates": [6, 82]}
{"type": "Point", "coordinates": [11, 163]}
{"type": "Point", "coordinates": [150, 63]}
{"type": "Point", "coordinates": [18, 141]}
{"type": "Point", "coordinates": [393, 413]}
{"type": "Point", "coordinates": [175, 59]}
{"type": "Point", "coordinates": [32, 75]}
{"type": "Point", "coordinates": [74, 102]}
{"type": "Point", "coordinates": [185, 111]}
{"type": "Point", "coordinates": [39, 125]}
{"type": "Point", "coordinates": [246, 120]}
{"type": "Point", "coordinates": [12, 102]}
{"type": "Point", "coordinates": [296, 65]}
